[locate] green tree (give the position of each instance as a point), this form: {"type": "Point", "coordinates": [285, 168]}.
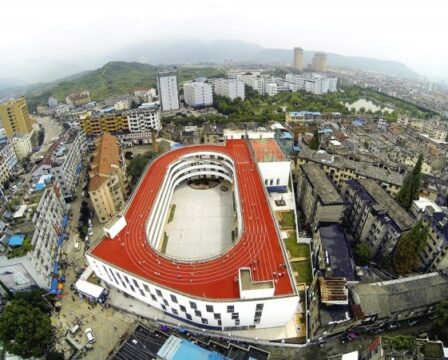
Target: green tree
{"type": "Point", "coordinates": [362, 254]}
{"type": "Point", "coordinates": [137, 165]}
{"type": "Point", "coordinates": [440, 326]}
{"type": "Point", "coordinates": [411, 186]}
{"type": "Point", "coordinates": [315, 141]}
{"type": "Point", "coordinates": [408, 248]}
{"type": "Point", "coordinates": [25, 330]}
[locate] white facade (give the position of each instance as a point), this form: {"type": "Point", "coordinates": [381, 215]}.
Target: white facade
{"type": "Point", "coordinates": [168, 91]}
{"type": "Point", "coordinates": [198, 94]}
{"type": "Point", "coordinates": [230, 134]}
{"type": "Point", "coordinates": [121, 105]}
{"type": "Point", "coordinates": [143, 119]}
{"type": "Point", "coordinates": [48, 228]}
{"type": "Point", "coordinates": [275, 173]}
{"type": "Point", "coordinates": [271, 89]}
{"type": "Point", "coordinates": [224, 315]}
{"type": "Point", "coordinates": [8, 156]}
{"type": "Point", "coordinates": [231, 88]}
{"type": "Point", "coordinates": [66, 168]}
{"type": "Point", "coordinates": [314, 83]}
{"type": "Point", "coordinates": [22, 145]}
{"type": "Point", "coordinates": [255, 82]}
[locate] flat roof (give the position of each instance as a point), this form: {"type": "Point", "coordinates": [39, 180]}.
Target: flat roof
{"type": "Point", "coordinates": [321, 183]}
{"type": "Point", "coordinates": [259, 246]}
{"type": "Point", "coordinates": [267, 150]}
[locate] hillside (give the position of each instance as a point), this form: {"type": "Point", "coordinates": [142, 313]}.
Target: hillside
{"type": "Point", "coordinates": [112, 79]}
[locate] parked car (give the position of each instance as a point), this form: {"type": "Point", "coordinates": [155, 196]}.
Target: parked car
{"type": "Point", "coordinates": [90, 231]}
{"type": "Point", "coordinates": [90, 337]}
{"type": "Point", "coordinates": [392, 326]}
{"type": "Point", "coordinates": [413, 322]}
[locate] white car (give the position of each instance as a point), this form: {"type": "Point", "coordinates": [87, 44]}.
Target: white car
{"type": "Point", "coordinates": [90, 337]}
{"type": "Point", "coordinates": [90, 232]}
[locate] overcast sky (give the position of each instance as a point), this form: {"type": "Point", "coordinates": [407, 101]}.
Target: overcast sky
{"type": "Point", "coordinates": [411, 31]}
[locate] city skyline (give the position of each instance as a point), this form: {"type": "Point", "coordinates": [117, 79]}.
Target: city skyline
{"type": "Point", "coordinates": [50, 34]}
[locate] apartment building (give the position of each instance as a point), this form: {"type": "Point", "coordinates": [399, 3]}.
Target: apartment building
{"type": "Point", "coordinates": [107, 184]}
{"type": "Point", "coordinates": [144, 119]}
{"type": "Point", "coordinates": [433, 131]}
{"type": "Point", "coordinates": [256, 82]}
{"type": "Point", "coordinates": [95, 123]}
{"type": "Point", "coordinates": [231, 88]}
{"type": "Point", "coordinates": [198, 94]}
{"type": "Point", "coordinates": [302, 118]}
{"type": "Point", "coordinates": [318, 197]}
{"type": "Point", "coordinates": [271, 89]}
{"type": "Point", "coordinates": [63, 160]}
{"type": "Point", "coordinates": [298, 59]}
{"type": "Point", "coordinates": [340, 169]}
{"type": "Point", "coordinates": [320, 62]}
{"type": "Point", "coordinates": [317, 84]}
{"type": "Point", "coordinates": [8, 156]}
{"type": "Point", "coordinates": [14, 117]}
{"type": "Point", "coordinates": [78, 99]}
{"type": "Point", "coordinates": [168, 90]}
{"type": "Point", "coordinates": [22, 145]}
{"type": "Point", "coordinates": [374, 216]}
{"type": "Point", "coordinates": [435, 254]}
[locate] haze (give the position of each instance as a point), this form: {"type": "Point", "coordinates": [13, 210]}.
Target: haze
{"type": "Point", "coordinates": [39, 37]}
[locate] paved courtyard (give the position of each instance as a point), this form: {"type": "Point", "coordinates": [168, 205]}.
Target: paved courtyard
{"type": "Point", "coordinates": [202, 224]}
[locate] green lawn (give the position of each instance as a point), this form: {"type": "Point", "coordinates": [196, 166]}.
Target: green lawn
{"type": "Point", "coordinates": [288, 220]}
{"type": "Point", "coordinates": [303, 268]}
{"type": "Point", "coordinates": [172, 210]}
{"type": "Point", "coordinates": [297, 250]}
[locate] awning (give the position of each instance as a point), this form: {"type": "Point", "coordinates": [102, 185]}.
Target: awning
{"type": "Point", "coordinates": [54, 286]}
{"type": "Point", "coordinates": [56, 268]}
{"type": "Point", "coordinates": [65, 221]}
{"type": "Point", "coordinates": [16, 240]}
{"type": "Point", "coordinates": [61, 239]}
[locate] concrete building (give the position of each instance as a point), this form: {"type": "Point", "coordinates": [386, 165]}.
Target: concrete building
{"type": "Point", "coordinates": [144, 119]}
{"type": "Point", "coordinates": [198, 94]}
{"type": "Point", "coordinates": [231, 88]}
{"type": "Point", "coordinates": [14, 117]}
{"type": "Point", "coordinates": [168, 90]}
{"type": "Point", "coordinates": [145, 95]}
{"type": "Point", "coordinates": [8, 156]}
{"type": "Point", "coordinates": [107, 184]}
{"type": "Point", "coordinates": [271, 89]}
{"type": "Point", "coordinates": [256, 82]}
{"type": "Point", "coordinates": [434, 132]}
{"type": "Point", "coordinates": [78, 99]}
{"type": "Point", "coordinates": [320, 62]}
{"type": "Point", "coordinates": [318, 197]}
{"type": "Point", "coordinates": [374, 216]}
{"type": "Point", "coordinates": [378, 304]}
{"type": "Point", "coordinates": [340, 169]}
{"type": "Point", "coordinates": [52, 102]}
{"type": "Point", "coordinates": [298, 59]}
{"type": "Point", "coordinates": [63, 161]}
{"type": "Point", "coordinates": [95, 123]}
{"type": "Point", "coordinates": [302, 118]}
{"type": "Point", "coordinates": [36, 268]}
{"type": "Point", "coordinates": [435, 254]}
{"type": "Point", "coordinates": [22, 145]}
{"type": "Point", "coordinates": [314, 83]}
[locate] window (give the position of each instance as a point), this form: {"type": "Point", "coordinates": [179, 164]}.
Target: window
{"type": "Point", "coordinates": [165, 302]}
{"type": "Point", "coordinates": [182, 308]}
{"type": "Point", "coordinates": [278, 181]}
{"type": "Point", "coordinates": [230, 308]}
{"type": "Point", "coordinates": [198, 313]}
{"type": "Point", "coordinates": [173, 298]}
{"type": "Point", "coordinates": [237, 322]}
{"type": "Point", "coordinates": [271, 182]}
{"type": "Point", "coordinates": [135, 282]}
{"type": "Point", "coordinates": [209, 308]}
{"type": "Point", "coordinates": [217, 316]}
{"type": "Point", "coordinates": [193, 305]}
{"type": "Point", "coordinates": [153, 297]}
{"type": "Point", "coordinates": [146, 288]}
{"type": "Point", "coordinates": [175, 312]}
{"type": "Point", "coordinates": [219, 322]}
{"type": "Point", "coordinates": [132, 288]}
{"type": "Point", "coordinates": [258, 314]}
{"type": "Point", "coordinates": [188, 316]}
{"type": "Point", "coordinates": [159, 293]}
{"type": "Point", "coordinates": [260, 307]}
{"type": "Point", "coordinates": [163, 307]}
{"type": "Point", "coordinates": [204, 321]}
{"type": "Point", "coordinates": [235, 315]}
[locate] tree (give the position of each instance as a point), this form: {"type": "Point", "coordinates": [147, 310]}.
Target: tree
{"type": "Point", "coordinates": [137, 165]}
{"type": "Point", "coordinates": [315, 141]}
{"type": "Point", "coordinates": [408, 248]}
{"type": "Point", "coordinates": [440, 325]}
{"type": "Point", "coordinates": [362, 254]}
{"type": "Point", "coordinates": [411, 186]}
{"type": "Point", "coordinates": [25, 330]}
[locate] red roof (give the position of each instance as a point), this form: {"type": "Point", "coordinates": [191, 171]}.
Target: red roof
{"type": "Point", "coordinates": [259, 246]}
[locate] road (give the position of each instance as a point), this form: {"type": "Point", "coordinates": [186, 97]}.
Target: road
{"type": "Point", "coordinates": [52, 130]}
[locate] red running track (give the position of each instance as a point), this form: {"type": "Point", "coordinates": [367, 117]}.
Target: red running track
{"type": "Point", "coordinates": [258, 248]}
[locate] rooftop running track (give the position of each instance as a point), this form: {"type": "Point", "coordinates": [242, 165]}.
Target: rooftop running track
{"type": "Point", "coordinates": [258, 248]}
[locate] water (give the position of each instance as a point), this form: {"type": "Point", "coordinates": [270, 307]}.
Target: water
{"type": "Point", "coordinates": [366, 104]}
